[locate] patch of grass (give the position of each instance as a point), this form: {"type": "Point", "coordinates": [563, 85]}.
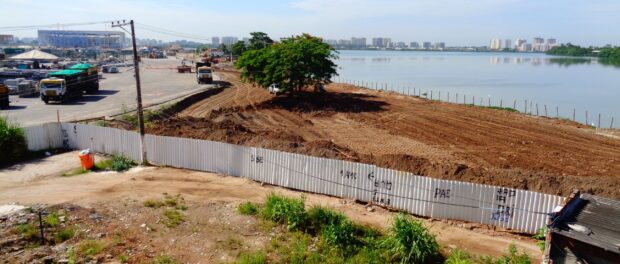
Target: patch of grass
{"type": "Point", "coordinates": [232, 243]}
{"type": "Point", "coordinates": [75, 172]}
{"type": "Point", "coordinates": [91, 247]}
{"type": "Point", "coordinates": [258, 257]}
{"type": "Point", "coordinates": [410, 241]}
{"type": "Point", "coordinates": [12, 143]}
{"type": "Point", "coordinates": [153, 203]}
{"type": "Point", "coordinates": [458, 256]}
{"type": "Point", "coordinates": [64, 235]}
{"type": "Point", "coordinates": [51, 220]}
{"type": "Point", "coordinates": [174, 218]}
{"type": "Point", "coordinates": [164, 259]}
{"type": "Point", "coordinates": [509, 109]}
{"type": "Point", "coordinates": [122, 258]}
{"type": "Point", "coordinates": [541, 236]}
{"type": "Point", "coordinates": [27, 230]}
{"type": "Point", "coordinates": [121, 163]}
{"type": "Point", "coordinates": [71, 256]}
{"type": "Point", "coordinates": [285, 210]}
{"type": "Point", "coordinates": [247, 208]}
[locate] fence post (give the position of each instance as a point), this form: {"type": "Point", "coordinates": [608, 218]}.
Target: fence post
{"type": "Point", "coordinates": [448, 97]}
{"type": "Point", "coordinates": [514, 104]}
{"type": "Point", "coordinates": [501, 103]}
{"type": "Point", "coordinates": [431, 95]}
{"type": "Point", "coordinates": [573, 114]}
{"type": "Point", "coordinates": [536, 109]}
{"type": "Point", "coordinates": [489, 101]}
{"type": "Point", "coordinates": [599, 120]}
{"type": "Point", "coordinates": [587, 118]}
{"type": "Point", "coordinates": [526, 106]}
{"type": "Point", "coordinates": [473, 100]}
{"type": "Point", "coordinates": [611, 125]}
{"type": "Point", "coordinates": [480, 100]}
{"type": "Point", "coordinates": [439, 97]}
{"type": "Point", "coordinates": [557, 112]}
{"type": "Point", "coordinates": [531, 108]}
{"type": "Point", "coordinates": [545, 110]}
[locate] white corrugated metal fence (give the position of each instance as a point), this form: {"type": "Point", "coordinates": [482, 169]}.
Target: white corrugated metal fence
{"type": "Point", "coordinates": [505, 207]}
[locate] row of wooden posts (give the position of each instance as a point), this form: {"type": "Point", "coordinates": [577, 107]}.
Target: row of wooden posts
{"type": "Point", "coordinates": [419, 93]}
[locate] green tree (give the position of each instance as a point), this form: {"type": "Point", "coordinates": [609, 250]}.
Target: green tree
{"type": "Point", "coordinates": [294, 64]}
{"type": "Point", "coordinates": [224, 48]}
{"type": "Point", "coordinates": [13, 143]}
{"type": "Point", "coordinates": [238, 48]}
{"type": "Point", "coordinates": [259, 40]}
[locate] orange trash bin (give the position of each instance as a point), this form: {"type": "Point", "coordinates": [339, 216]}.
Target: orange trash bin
{"type": "Point", "coordinates": [87, 158]}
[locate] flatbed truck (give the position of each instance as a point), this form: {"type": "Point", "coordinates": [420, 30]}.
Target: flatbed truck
{"type": "Point", "coordinates": [70, 83]}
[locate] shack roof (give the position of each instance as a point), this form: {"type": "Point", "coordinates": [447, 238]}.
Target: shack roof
{"type": "Point", "coordinates": [81, 66]}
{"type": "Point", "coordinates": [34, 55]}
{"type": "Point", "coordinates": [600, 217]}
{"type": "Point", "coordinates": [65, 72]}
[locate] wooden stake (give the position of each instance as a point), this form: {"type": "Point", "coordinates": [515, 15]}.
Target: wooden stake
{"type": "Point", "coordinates": [501, 103]}
{"type": "Point", "coordinates": [573, 114]}
{"type": "Point", "coordinates": [489, 101]}
{"type": "Point", "coordinates": [587, 118]}
{"type": "Point", "coordinates": [536, 109]}
{"type": "Point", "coordinates": [599, 120]}
{"type": "Point", "coordinates": [545, 110]}
{"type": "Point", "coordinates": [525, 107]}
{"type": "Point", "coordinates": [557, 111]}
{"type": "Point", "coordinates": [611, 125]}
{"type": "Point", "coordinates": [514, 105]}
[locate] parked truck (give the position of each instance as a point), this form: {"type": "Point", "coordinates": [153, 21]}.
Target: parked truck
{"type": "Point", "coordinates": [70, 83]}
{"type": "Point", "coordinates": [204, 74]}
{"type": "Point", "coordinates": [4, 96]}
{"type": "Point", "coordinates": [21, 87]}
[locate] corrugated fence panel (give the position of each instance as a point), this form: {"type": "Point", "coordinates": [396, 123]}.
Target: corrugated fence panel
{"type": "Point", "coordinates": [504, 207]}
{"type": "Point", "coordinates": [45, 136]}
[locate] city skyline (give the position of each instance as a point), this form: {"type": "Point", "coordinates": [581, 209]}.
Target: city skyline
{"type": "Point", "coordinates": [582, 23]}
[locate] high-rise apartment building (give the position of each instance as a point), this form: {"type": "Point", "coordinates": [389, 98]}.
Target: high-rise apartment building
{"type": "Point", "coordinates": [508, 44]}
{"type": "Point", "coordinates": [215, 41]}
{"type": "Point", "coordinates": [551, 43]}
{"type": "Point", "coordinates": [440, 45]}
{"type": "Point", "coordinates": [344, 42]}
{"type": "Point", "coordinates": [414, 45]}
{"type": "Point", "coordinates": [358, 42]}
{"type": "Point", "coordinates": [496, 44]}
{"type": "Point", "coordinates": [539, 44]}
{"type": "Point", "coordinates": [331, 42]}
{"type": "Point", "coordinates": [229, 41]}
{"type": "Point", "coordinates": [426, 45]}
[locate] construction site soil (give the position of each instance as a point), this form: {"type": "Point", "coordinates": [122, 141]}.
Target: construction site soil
{"type": "Point", "coordinates": [425, 137]}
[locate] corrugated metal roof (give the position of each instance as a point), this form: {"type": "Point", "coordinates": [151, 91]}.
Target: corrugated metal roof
{"type": "Point", "coordinates": [601, 217]}
{"type": "Point", "coordinates": [81, 66]}
{"type": "Point", "coordinates": [65, 72]}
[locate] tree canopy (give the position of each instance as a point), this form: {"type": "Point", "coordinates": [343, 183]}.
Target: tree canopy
{"type": "Point", "coordinates": [224, 48]}
{"type": "Point", "coordinates": [294, 64]}
{"type": "Point", "coordinates": [238, 48]}
{"type": "Point", "coordinates": [259, 40]}
{"type": "Point", "coordinates": [607, 55]}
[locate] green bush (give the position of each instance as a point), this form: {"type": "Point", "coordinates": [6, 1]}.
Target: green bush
{"type": "Point", "coordinates": [514, 257]}
{"type": "Point", "coordinates": [458, 256]}
{"type": "Point", "coordinates": [540, 236]}
{"type": "Point", "coordinates": [247, 208]}
{"type": "Point", "coordinates": [285, 210]}
{"type": "Point", "coordinates": [64, 234]}
{"type": "Point", "coordinates": [12, 143]}
{"type": "Point", "coordinates": [164, 259]}
{"type": "Point", "coordinates": [52, 220]}
{"type": "Point", "coordinates": [175, 218]}
{"type": "Point", "coordinates": [335, 227]}
{"type": "Point", "coordinates": [91, 247]}
{"type": "Point", "coordinates": [410, 242]}
{"type": "Point", "coordinates": [253, 258]}
{"type": "Point", "coordinates": [120, 163]}
{"type": "Point", "coordinates": [27, 230]}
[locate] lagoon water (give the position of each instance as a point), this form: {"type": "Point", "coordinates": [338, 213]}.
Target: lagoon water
{"type": "Point", "coordinates": [582, 84]}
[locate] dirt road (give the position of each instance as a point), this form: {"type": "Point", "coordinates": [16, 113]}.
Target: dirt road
{"type": "Point", "coordinates": [407, 133]}
{"type": "Point", "coordinates": [119, 196]}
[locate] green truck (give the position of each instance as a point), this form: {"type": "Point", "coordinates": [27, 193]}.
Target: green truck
{"type": "Point", "coordinates": [70, 83]}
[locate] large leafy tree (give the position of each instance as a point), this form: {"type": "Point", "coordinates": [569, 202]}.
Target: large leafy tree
{"type": "Point", "coordinates": [294, 63]}
{"type": "Point", "coordinates": [224, 48]}
{"type": "Point", "coordinates": [238, 48]}
{"type": "Point", "coordinates": [259, 40]}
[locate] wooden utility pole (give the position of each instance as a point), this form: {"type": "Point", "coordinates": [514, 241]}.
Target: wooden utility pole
{"type": "Point", "coordinates": [136, 67]}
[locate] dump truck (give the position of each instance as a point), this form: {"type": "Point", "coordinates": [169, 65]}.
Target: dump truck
{"type": "Point", "coordinates": [70, 83]}
{"type": "Point", "coordinates": [204, 74]}
{"type": "Point", "coordinates": [4, 96]}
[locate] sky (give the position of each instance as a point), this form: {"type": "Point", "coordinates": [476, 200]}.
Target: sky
{"type": "Point", "coordinates": [458, 23]}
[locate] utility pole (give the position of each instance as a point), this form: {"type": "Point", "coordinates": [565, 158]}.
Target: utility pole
{"type": "Point", "coordinates": [136, 67]}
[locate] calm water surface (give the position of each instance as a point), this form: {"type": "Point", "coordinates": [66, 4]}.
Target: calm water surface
{"type": "Point", "coordinates": [582, 84]}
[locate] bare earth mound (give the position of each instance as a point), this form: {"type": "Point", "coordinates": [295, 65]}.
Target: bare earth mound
{"type": "Point", "coordinates": [406, 133]}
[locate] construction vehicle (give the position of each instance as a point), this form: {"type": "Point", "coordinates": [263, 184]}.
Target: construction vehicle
{"type": "Point", "coordinates": [70, 83]}
{"type": "Point", "coordinates": [4, 96]}
{"type": "Point", "coordinates": [204, 74]}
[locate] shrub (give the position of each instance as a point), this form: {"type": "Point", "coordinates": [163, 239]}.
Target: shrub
{"type": "Point", "coordinates": [458, 256]}
{"type": "Point", "coordinates": [121, 163]}
{"type": "Point", "coordinates": [253, 258]}
{"type": "Point", "coordinates": [51, 220]}
{"type": "Point", "coordinates": [540, 236]}
{"type": "Point", "coordinates": [153, 203]}
{"type": "Point", "coordinates": [12, 143]}
{"type": "Point", "coordinates": [289, 211]}
{"type": "Point", "coordinates": [91, 247]}
{"type": "Point", "coordinates": [175, 218]}
{"type": "Point", "coordinates": [247, 208]}
{"type": "Point", "coordinates": [64, 234]}
{"type": "Point", "coordinates": [514, 257]}
{"type": "Point", "coordinates": [410, 242]}
{"type": "Point", "coordinates": [319, 217]}
{"type": "Point", "coordinates": [341, 233]}
{"type": "Point", "coordinates": [27, 230]}
{"type": "Point", "coordinates": [164, 259]}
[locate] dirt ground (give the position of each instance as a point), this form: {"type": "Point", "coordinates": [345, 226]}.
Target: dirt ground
{"type": "Point", "coordinates": [430, 138]}
{"type": "Point", "coordinates": [109, 207]}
